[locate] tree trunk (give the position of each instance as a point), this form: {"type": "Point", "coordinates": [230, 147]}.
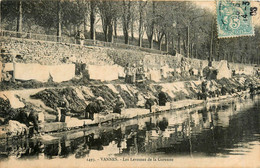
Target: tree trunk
{"type": "Point", "coordinates": [92, 21]}
{"type": "Point", "coordinates": [58, 21]}
{"type": "Point", "coordinates": [196, 51]}
{"type": "Point", "coordinates": [115, 28]}
{"type": "Point", "coordinates": [125, 31]}
{"type": "Point", "coordinates": [150, 29]}
{"type": "Point", "coordinates": [19, 18]}
{"type": "Point", "coordinates": [192, 50]}
{"type": "Point", "coordinates": [150, 40]}
{"type": "Point", "coordinates": [166, 42]}
{"type": "Point", "coordinates": [85, 24]}
{"type": "Point", "coordinates": [132, 29]}
{"type": "Point", "coordinates": [184, 47]}
{"type": "Point", "coordinates": [105, 33]}
{"type": "Point", "coordinates": [173, 48]}
{"type": "Point", "coordinates": [188, 41]}
{"type": "Point", "coordinates": [149, 33]}
{"type": "Point", "coordinates": [140, 40]}
{"type": "Point", "coordinates": [160, 41]}
{"type": "Point", "coordinates": [141, 23]}
{"type": "Point", "coordinates": [126, 19]}
{"type": "Point", "coordinates": [140, 30]}
{"type": "Point", "coordinates": [217, 49]}
{"type": "Point", "coordinates": [105, 28]}
{"type": "Point", "coordinates": [211, 41]}
{"type": "Point", "coordinates": [110, 32]}
{"type": "Point", "coordinates": [0, 14]}
{"type": "Point", "coordinates": [179, 43]}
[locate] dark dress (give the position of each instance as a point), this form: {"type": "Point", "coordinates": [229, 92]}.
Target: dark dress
{"type": "Point", "coordinates": [63, 110]}
{"type": "Point", "coordinates": [33, 117]}
{"type": "Point", "coordinates": [63, 114]}
{"type": "Point", "coordinates": [162, 99]}
{"type": "Point", "coordinates": [149, 103]}
{"type": "Point", "coordinates": [92, 108]}
{"type": "Point", "coordinates": [204, 90]}
{"type": "Point", "coordinates": [22, 117]}
{"type": "Point", "coordinates": [163, 124]}
{"type": "Point", "coordinates": [117, 109]}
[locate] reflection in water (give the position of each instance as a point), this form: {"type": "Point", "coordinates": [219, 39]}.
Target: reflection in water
{"type": "Point", "coordinates": [220, 129]}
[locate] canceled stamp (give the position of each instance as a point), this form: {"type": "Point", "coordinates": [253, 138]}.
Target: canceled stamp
{"type": "Point", "coordinates": [234, 18]}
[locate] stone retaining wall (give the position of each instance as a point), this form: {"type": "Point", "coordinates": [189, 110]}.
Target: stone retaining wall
{"type": "Point", "coordinates": [52, 53]}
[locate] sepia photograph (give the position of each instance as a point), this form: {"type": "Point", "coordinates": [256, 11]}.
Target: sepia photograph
{"type": "Point", "coordinates": [129, 83]}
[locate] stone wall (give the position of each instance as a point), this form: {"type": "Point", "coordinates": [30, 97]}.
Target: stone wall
{"type": "Point", "coordinates": [52, 53]}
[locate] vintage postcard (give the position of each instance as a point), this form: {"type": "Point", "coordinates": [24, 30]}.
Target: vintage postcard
{"type": "Point", "coordinates": [128, 83]}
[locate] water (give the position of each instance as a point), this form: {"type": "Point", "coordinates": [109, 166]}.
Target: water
{"type": "Point", "coordinates": [219, 130]}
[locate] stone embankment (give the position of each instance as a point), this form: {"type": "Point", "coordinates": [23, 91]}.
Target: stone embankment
{"type": "Point", "coordinates": [182, 92]}
{"type": "Point", "coordinates": [46, 100]}
{"type": "Point", "coordinates": [52, 53]}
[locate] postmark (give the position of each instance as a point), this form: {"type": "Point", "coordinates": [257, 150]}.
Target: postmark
{"type": "Point", "coordinates": [234, 18]}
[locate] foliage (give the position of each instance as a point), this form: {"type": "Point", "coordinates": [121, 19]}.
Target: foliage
{"type": "Point", "coordinates": [186, 28]}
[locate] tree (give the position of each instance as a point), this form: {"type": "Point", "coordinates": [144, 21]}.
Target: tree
{"type": "Point", "coordinates": [150, 21]}
{"type": "Point", "coordinates": [45, 14]}
{"type": "Point", "coordinates": [186, 26]}
{"type": "Point", "coordinates": [142, 13]}
{"type": "Point", "coordinates": [108, 11]}
{"type": "Point", "coordinates": [59, 20]}
{"type": "Point", "coordinates": [163, 20]}
{"type": "Point", "coordinates": [19, 17]}
{"type": "Point", "coordinates": [0, 14]}
{"type": "Point", "coordinates": [126, 16]}
{"type": "Point", "coordinates": [74, 14]}
{"type": "Point", "coordinates": [93, 7]}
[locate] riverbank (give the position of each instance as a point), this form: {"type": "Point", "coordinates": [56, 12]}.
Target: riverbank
{"type": "Point", "coordinates": [224, 129]}
{"type": "Point", "coordinates": [73, 124]}
{"type": "Point", "coordinates": [23, 99]}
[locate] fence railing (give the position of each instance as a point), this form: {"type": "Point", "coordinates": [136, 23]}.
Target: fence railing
{"type": "Point", "coordinates": [73, 40]}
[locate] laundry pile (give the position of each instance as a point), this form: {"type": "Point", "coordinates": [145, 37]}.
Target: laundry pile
{"type": "Point", "coordinates": [54, 97]}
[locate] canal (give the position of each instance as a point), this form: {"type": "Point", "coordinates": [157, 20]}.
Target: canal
{"type": "Point", "coordinates": [219, 129]}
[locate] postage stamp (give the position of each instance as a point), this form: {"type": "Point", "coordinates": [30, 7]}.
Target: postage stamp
{"type": "Point", "coordinates": [234, 18]}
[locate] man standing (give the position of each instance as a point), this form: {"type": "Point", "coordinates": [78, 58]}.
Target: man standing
{"type": "Point", "coordinates": [80, 37]}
